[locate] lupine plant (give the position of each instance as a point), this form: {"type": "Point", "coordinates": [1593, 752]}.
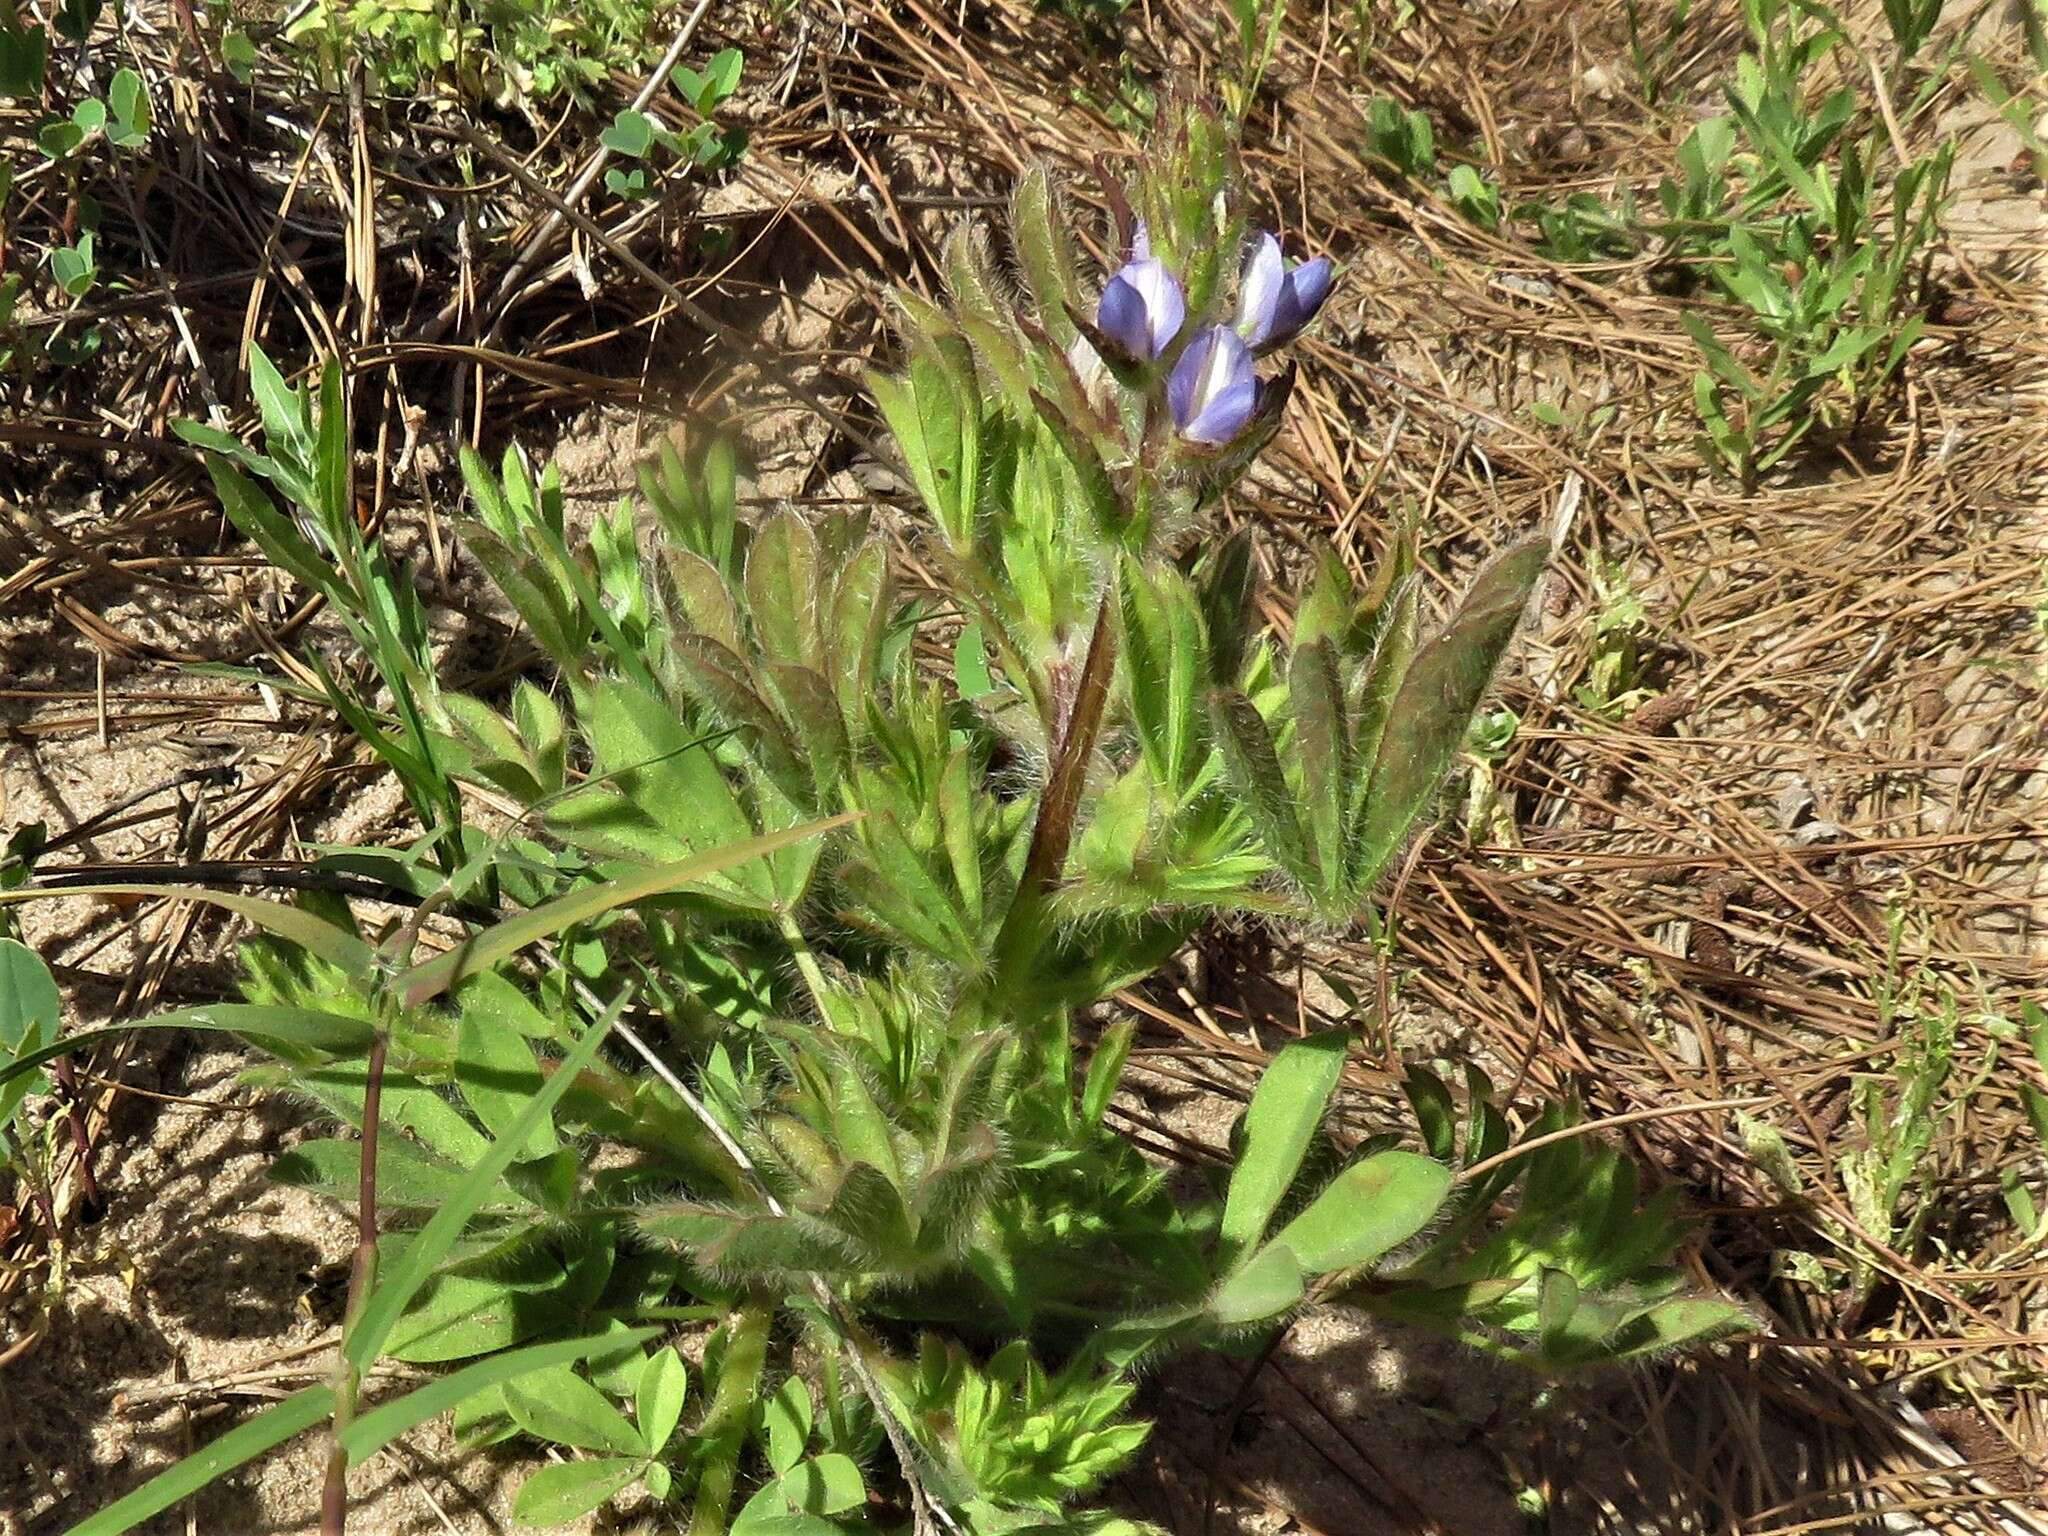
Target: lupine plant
{"type": "Point", "coordinates": [846, 920]}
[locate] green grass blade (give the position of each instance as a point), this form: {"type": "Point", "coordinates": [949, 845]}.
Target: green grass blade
{"type": "Point", "coordinates": [303, 1026]}
{"type": "Point", "coordinates": [389, 1301]}
{"type": "Point", "coordinates": [428, 980]}
{"type": "Point", "coordinates": [244, 1443]}
{"type": "Point", "coordinates": [387, 1421]}
{"type": "Point", "coordinates": [315, 934]}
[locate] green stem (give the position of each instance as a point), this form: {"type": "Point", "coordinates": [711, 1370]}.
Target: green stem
{"type": "Point", "coordinates": [806, 962]}
{"type": "Point", "coordinates": [724, 1427]}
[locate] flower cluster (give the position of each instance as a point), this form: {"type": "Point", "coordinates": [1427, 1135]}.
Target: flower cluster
{"type": "Point", "coordinates": [1214, 389]}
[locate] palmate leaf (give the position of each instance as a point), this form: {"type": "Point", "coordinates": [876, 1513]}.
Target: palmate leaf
{"type": "Point", "coordinates": [257, 518]}
{"type": "Point", "coordinates": [951, 1193]}
{"type": "Point", "coordinates": [787, 1418]}
{"type": "Point", "coordinates": [394, 1293]}
{"type": "Point", "coordinates": [1433, 709]}
{"type": "Point", "coordinates": [1326, 609]}
{"type": "Point", "coordinates": [424, 982]}
{"type": "Point", "coordinates": [985, 317]}
{"type": "Point", "coordinates": [656, 792]}
{"type": "Point", "coordinates": [869, 1209]}
{"type": "Point", "coordinates": [752, 1244]}
{"type": "Point", "coordinates": [719, 678]}
{"type": "Point", "coordinates": [916, 896]}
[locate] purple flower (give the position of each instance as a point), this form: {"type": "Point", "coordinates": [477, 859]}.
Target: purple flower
{"type": "Point", "coordinates": [1214, 389]}
{"type": "Point", "coordinates": [1142, 308]}
{"type": "Point", "coordinates": [1273, 302]}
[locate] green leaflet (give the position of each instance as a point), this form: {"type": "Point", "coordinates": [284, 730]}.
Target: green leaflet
{"type": "Point", "coordinates": [1282, 1118]}
{"type": "Point", "coordinates": [558, 1494]}
{"type": "Point", "coordinates": [1253, 767]}
{"type": "Point", "coordinates": [371, 1431]}
{"type": "Point", "coordinates": [557, 1405]}
{"type": "Point", "coordinates": [1045, 254]}
{"type": "Point", "coordinates": [1443, 686]}
{"type": "Point", "coordinates": [1369, 1209]}
{"type": "Point", "coordinates": [933, 413]}
{"type": "Point", "coordinates": [1165, 656]}
{"type": "Point", "coordinates": [783, 580]}
{"type": "Point", "coordinates": [1323, 743]}
{"type": "Point", "coordinates": [31, 1016]}
{"type": "Point", "coordinates": [1267, 1287]}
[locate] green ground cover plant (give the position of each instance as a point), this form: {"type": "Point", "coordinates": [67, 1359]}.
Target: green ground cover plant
{"type": "Point", "coordinates": [770, 1024]}
{"type": "Point", "coordinates": [76, 182]}
{"type": "Point", "coordinates": [1798, 208]}
{"type": "Point", "coordinates": [508, 50]}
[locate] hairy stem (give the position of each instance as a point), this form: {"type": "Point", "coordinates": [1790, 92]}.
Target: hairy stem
{"type": "Point", "coordinates": [726, 1421]}
{"type": "Point", "coordinates": [1053, 833]}
{"type": "Point", "coordinates": [806, 961]}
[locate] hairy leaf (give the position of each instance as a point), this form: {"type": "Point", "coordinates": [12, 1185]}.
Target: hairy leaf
{"type": "Point", "coordinates": [1285, 1110]}
{"type": "Point", "coordinates": [1322, 740]}
{"type": "Point", "coordinates": [783, 580]}
{"type": "Point", "coordinates": [1254, 771]}
{"type": "Point", "coordinates": [1267, 1287]}
{"type": "Point", "coordinates": [1431, 713]}
{"type": "Point", "coordinates": [1370, 1208]}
